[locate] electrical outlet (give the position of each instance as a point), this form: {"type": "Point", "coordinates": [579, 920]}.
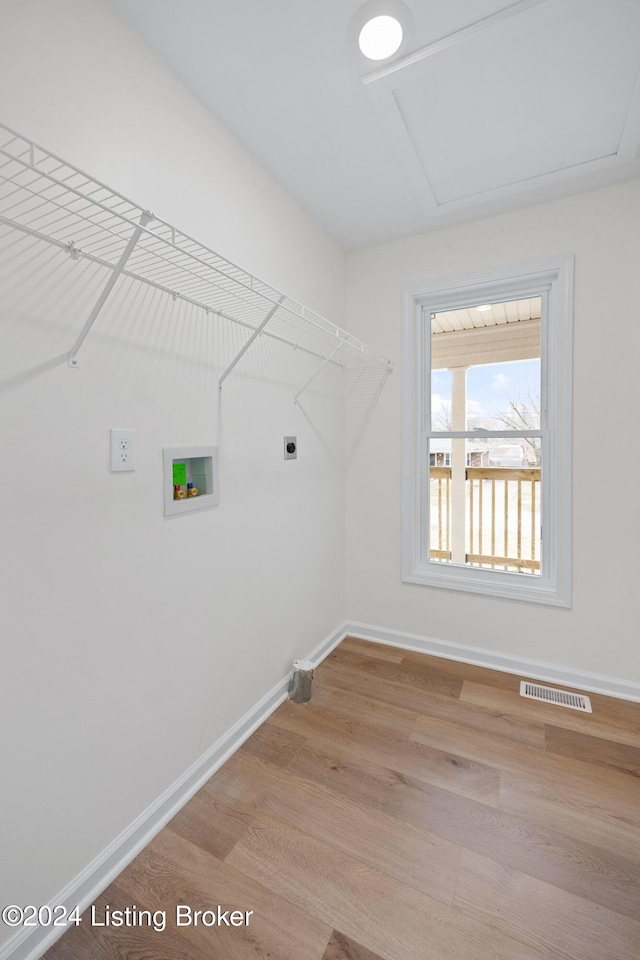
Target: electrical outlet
{"type": "Point", "coordinates": [123, 450]}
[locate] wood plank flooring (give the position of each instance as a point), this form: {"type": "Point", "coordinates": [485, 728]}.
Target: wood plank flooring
{"type": "Point", "coordinates": [415, 809]}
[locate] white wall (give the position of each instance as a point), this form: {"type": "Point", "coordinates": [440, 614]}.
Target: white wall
{"type": "Point", "coordinates": [598, 634]}
{"type": "Point", "coordinates": [131, 643]}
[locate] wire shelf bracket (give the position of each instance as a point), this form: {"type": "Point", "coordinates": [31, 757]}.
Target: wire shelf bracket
{"type": "Point", "coordinates": [74, 253]}
{"type": "Point", "coordinates": [53, 201]}
{"type": "Point", "coordinates": [254, 336]}
{"type": "Point", "coordinates": [319, 370]}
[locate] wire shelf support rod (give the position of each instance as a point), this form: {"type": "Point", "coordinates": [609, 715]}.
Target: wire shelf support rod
{"type": "Point", "coordinates": [108, 287]}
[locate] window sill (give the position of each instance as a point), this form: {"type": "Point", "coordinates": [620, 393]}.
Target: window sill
{"type": "Point", "coordinates": [490, 583]}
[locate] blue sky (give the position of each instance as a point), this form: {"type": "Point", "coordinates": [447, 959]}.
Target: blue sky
{"type": "Point", "coordinates": [489, 387]}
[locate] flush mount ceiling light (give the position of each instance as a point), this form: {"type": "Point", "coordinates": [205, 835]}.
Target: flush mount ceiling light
{"type": "Point", "coordinates": [380, 28]}
{"type": "Point", "coordinates": [380, 37]}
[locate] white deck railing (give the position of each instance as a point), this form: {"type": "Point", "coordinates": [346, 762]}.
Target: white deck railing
{"type": "Point", "coordinates": [502, 517]}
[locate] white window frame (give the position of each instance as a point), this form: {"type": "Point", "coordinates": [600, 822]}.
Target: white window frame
{"type": "Point", "coordinates": [551, 279]}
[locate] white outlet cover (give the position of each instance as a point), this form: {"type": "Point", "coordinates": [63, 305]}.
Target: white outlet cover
{"type": "Point", "coordinates": [123, 450]}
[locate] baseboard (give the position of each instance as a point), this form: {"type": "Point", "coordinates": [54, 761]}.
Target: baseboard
{"type": "Point", "coordinates": [534, 669]}
{"type": "Point", "coordinates": [323, 649]}
{"type": "Point", "coordinates": [83, 890]}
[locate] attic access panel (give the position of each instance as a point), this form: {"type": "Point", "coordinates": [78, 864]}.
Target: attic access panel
{"type": "Point", "coordinates": [534, 97]}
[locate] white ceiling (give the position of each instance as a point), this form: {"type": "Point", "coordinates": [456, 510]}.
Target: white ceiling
{"type": "Point", "coordinates": [488, 105]}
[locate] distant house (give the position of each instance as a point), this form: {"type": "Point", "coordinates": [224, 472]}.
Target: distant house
{"type": "Point", "coordinates": [507, 455]}
{"type": "Point", "coordinates": [478, 454]}
{"type": "Point", "coordinates": [478, 457]}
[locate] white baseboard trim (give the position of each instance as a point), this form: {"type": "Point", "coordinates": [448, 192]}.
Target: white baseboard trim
{"type": "Point", "coordinates": [319, 653]}
{"type": "Point", "coordinates": [534, 669]}
{"type": "Point", "coordinates": [82, 891]}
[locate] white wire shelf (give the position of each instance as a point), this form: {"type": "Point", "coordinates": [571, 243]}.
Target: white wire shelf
{"type": "Point", "coordinates": [50, 199]}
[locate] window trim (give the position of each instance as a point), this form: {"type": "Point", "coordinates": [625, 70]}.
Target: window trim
{"type": "Point", "coordinates": [553, 279]}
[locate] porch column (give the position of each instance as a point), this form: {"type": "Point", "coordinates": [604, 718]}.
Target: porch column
{"type": "Point", "coordinates": [458, 464]}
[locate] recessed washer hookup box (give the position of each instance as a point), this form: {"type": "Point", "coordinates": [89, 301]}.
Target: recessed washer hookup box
{"type": "Point", "coordinates": [191, 481]}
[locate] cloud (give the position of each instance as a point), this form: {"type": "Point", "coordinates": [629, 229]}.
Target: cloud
{"type": "Point", "coordinates": [499, 381]}
{"type": "Point", "coordinates": [439, 402]}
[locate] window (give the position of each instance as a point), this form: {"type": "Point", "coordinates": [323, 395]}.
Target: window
{"type": "Point", "coordinates": [487, 458]}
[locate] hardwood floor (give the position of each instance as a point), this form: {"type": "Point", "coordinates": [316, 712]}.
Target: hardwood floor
{"type": "Point", "coordinates": [415, 809]}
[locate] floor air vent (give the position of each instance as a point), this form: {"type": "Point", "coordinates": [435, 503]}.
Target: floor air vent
{"type": "Point", "coordinates": [575, 701]}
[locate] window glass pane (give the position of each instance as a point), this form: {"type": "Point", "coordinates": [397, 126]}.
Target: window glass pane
{"type": "Point", "coordinates": [485, 367]}
{"type": "Point", "coordinates": [441, 400]}
{"type": "Point", "coordinates": [484, 503]}
{"type": "Point", "coordinates": [504, 396]}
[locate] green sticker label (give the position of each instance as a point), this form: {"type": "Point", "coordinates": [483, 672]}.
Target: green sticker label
{"type": "Point", "coordinates": [179, 474]}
